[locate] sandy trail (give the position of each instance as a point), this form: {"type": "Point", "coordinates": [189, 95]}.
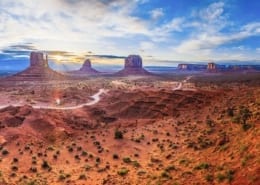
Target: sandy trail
{"type": "Point", "coordinates": [180, 85]}
{"type": "Point", "coordinates": [96, 98]}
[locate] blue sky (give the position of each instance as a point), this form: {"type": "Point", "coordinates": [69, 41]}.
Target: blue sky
{"type": "Point", "coordinates": [160, 31]}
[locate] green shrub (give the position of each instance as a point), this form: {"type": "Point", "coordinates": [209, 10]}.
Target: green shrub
{"type": "Point", "coordinates": [45, 165]}
{"type": "Point", "coordinates": [82, 177]}
{"type": "Point", "coordinates": [118, 134]}
{"type": "Point", "coordinates": [5, 152]}
{"type": "Point", "coordinates": [115, 156]}
{"type": "Point", "coordinates": [127, 160]}
{"type": "Point", "coordinates": [202, 166]}
{"type": "Point", "coordinates": [209, 178]}
{"type": "Point", "coordinates": [221, 177]}
{"type": "Point", "coordinates": [123, 172]}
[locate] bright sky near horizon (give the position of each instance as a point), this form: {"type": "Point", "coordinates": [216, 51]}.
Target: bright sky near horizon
{"type": "Point", "coordinates": [160, 31]}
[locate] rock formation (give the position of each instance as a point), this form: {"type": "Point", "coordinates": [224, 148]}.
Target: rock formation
{"type": "Point", "coordinates": [211, 66]}
{"type": "Point", "coordinates": [86, 69]}
{"type": "Point", "coordinates": [38, 70]}
{"type": "Point", "coordinates": [192, 67]}
{"type": "Point", "coordinates": [133, 66]}
{"type": "Point", "coordinates": [38, 59]}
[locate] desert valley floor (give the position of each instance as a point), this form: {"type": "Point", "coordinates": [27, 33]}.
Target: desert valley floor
{"type": "Point", "coordinates": [168, 130]}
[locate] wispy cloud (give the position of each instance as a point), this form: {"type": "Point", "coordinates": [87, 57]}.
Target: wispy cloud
{"type": "Point", "coordinates": [70, 28]}
{"type": "Point", "coordinates": [156, 13]}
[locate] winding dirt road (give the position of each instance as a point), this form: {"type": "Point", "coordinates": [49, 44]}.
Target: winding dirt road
{"type": "Point", "coordinates": [96, 98]}
{"type": "Point", "coordinates": [180, 85]}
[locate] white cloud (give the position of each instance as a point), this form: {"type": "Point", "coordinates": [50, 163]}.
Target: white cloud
{"type": "Point", "coordinates": [207, 35]}
{"type": "Point", "coordinates": [79, 22]}
{"type": "Point", "coordinates": [100, 26]}
{"type": "Point", "coordinates": [147, 46]}
{"type": "Point", "coordinates": [156, 13]}
{"type": "Point", "coordinates": [213, 12]}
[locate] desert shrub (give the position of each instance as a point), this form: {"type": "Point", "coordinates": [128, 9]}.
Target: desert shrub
{"type": "Point", "coordinates": [5, 152]}
{"type": "Point", "coordinates": [62, 177]}
{"type": "Point", "coordinates": [202, 166]}
{"type": "Point", "coordinates": [230, 112]}
{"type": "Point", "coordinates": [230, 175]}
{"type": "Point", "coordinates": [127, 160]}
{"type": "Point", "coordinates": [82, 177]}
{"type": "Point", "coordinates": [115, 156]}
{"type": "Point", "coordinates": [209, 178]}
{"type": "Point", "coordinates": [246, 127]}
{"type": "Point", "coordinates": [118, 134]}
{"type": "Point", "coordinates": [165, 174]}
{"type": "Point", "coordinates": [70, 149]}
{"type": "Point", "coordinates": [245, 114]}
{"type": "Point", "coordinates": [98, 160]}
{"type": "Point", "coordinates": [33, 169]}
{"type": "Point", "coordinates": [170, 168]}
{"type": "Point", "coordinates": [123, 172]}
{"type": "Point", "coordinates": [221, 177]}
{"type": "Point", "coordinates": [84, 153]}
{"type": "Point", "coordinates": [210, 122]}
{"type": "Point", "coordinates": [14, 168]}
{"type": "Point", "coordinates": [15, 160]}
{"type": "Point", "coordinates": [136, 164]}
{"type": "Point", "coordinates": [45, 165]}
{"type": "Point", "coordinates": [87, 167]}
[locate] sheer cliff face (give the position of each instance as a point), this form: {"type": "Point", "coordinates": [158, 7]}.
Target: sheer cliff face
{"type": "Point", "coordinates": [39, 70]}
{"type": "Point", "coordinates": [38, 59]}
{"type": "Point", "coordinates": [133, 66]}
{"type": "Point", "coordinates": [133, 61]}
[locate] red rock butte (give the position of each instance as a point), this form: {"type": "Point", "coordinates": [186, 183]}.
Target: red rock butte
{"type": "Point", "coordinates": [86, 69]}
{"type": "Point", "coordinates": [38, 70]}
{"type": "Point", "coordinates": [133, 66]}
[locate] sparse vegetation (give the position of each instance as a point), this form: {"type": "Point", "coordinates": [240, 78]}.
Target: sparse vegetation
{"type": "Point", "coordinates": [119, 134]}
{"type": "Point", "coordinates": [202, 166]}
{"type": "Point", "coordinates": [123, 172]}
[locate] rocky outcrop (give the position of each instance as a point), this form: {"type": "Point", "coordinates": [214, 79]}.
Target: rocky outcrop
{"type": "Point", "coordinates": [86, 69]}
{"type": "Point", "coordinates": [133, 66]}
{"type": "Point", "coordinates": [133, 62]}
{"type": "Point", "coordinates": [38, 59]}
{"type": "Point", "coordinates": [192, 67]}
{"type": "Point", "coordinates": [38, 70]}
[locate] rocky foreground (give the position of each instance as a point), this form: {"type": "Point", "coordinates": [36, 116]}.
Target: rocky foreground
{"type": "Point", "coordinates": [141, 132]}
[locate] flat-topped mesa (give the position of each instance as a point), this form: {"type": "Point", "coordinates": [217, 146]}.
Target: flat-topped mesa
{"type": "Point", "coordinates": [192, 67]}
{"type": "Point", "coordinates": [39, 59]}
{"type": "Point", "coordinates": [211, 66]}
{"type": "Point", "coordinates": [133, 61]}
{"type": "Point", "coordinates": [133, 66]}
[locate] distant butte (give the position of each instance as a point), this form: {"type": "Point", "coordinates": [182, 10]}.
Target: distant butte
{"type": "Point", "coordinates": [86, 69]}
{"type": "Point", "coordinates": [133, 66]}
{"type": "Point", "coordinates": [39, 70]}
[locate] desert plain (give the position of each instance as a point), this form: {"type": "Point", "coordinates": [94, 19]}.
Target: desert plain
{"type": "Point", "coordinates": [169, 129]}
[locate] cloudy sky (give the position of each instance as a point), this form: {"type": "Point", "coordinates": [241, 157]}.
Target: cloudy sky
{"type": "Point", "coordinates": [107, 30]}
